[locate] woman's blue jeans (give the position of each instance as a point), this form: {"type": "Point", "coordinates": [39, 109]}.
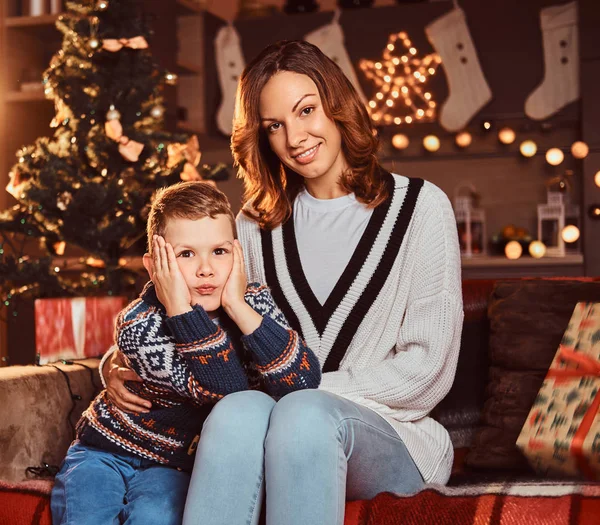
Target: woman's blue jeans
{"type": "Point", "coordinates": [310, 452]}
{"type": "Point", "coordinates": [97, 487]}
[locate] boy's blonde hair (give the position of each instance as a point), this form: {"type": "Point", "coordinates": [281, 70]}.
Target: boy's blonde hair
{"type": "Point", "coordinates": [186, 200]}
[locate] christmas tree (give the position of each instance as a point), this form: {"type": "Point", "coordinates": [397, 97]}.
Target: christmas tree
{"type": "Point", "coordinates": [89, 186]}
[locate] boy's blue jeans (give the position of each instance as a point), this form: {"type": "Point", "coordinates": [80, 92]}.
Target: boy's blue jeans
{"type": "Point", "coordinates": [97, 487]}
{"type": "Point", "coordinates": [311, 450]}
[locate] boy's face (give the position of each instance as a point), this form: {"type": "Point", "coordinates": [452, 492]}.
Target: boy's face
{"type": "Point", "coordinates": [204, 252]}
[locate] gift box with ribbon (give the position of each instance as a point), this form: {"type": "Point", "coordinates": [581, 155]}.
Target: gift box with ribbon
{"type": "Point", "coordinates": [75, 328]}
{"type": "Point", "coordinates": [562, 433]}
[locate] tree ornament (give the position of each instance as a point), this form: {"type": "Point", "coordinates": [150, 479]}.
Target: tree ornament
{"type": "Point", "coordinates": [17, 179]}
{"type": "Point", "coordinates": [113, 114]}
{"type": "Point", "coordinates": [94, 42]}
{"type": "Point", "coordinates": [92, 91]}
{"type": "Point", "coordinates": [113, 45]}
{"type": "Point", "coordinates": [129, 149]}
{"type": "Point", "coordinates": [59, 247]}
{"type": "Point", "coordinates": [190, 151]}
{"type": "Point", "coordinates": [189, 173]}
{"type": "Point", "coordinates": [157, 111]}
{"type": "Point", "coordinates": [171, 78]}
{"type": "Point", "coordinates": [64, 199]}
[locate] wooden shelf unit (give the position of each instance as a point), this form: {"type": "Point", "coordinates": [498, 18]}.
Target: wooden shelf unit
{"type": "Point", "coordinates": [30, 21]}
{"type": "Point", "coordinates": [186, 68]}
{"type": "Point", "coordinates": [187, 127]}
{"type": "Point", "coordinates": [188, 7]}
{"type": "Point", "coordinates": [26, 96]}
{"type": "Point", "coordinates": [26, 45]}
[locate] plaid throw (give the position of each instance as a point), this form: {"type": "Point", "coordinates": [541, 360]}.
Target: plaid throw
{"type": "Point", "coordinates": [536, 503]}
{"type": "Point", "coordinates": [539, 503]}
{"type": "Point", "coordinates": [25, 503]}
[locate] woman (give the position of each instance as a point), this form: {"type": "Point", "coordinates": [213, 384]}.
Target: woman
{"type": "Point", "coordinates": [366, 265]}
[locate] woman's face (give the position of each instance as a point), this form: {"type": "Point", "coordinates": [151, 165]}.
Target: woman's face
{"type": "Point", "coordinates": [300, 133]}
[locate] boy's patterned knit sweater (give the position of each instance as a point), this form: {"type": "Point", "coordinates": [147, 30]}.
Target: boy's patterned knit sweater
{"type": "Point", "coordinates": [187, 363]}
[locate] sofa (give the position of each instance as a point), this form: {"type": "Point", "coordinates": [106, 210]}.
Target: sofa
{"type": "Point", "coordinates": [491, 481]}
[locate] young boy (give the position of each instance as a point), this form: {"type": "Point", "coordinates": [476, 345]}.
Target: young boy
{"type": "Point", "coordinates": [196, 333]}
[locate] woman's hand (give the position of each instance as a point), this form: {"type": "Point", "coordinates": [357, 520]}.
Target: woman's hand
{"type": "Point", "coordinates": [171, 288]}
{"type": "Point", "coordinates": [115, 373]}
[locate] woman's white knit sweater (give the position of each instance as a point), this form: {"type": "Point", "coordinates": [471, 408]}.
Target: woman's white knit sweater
{"type": "Point", "coordinates": [388, 335]}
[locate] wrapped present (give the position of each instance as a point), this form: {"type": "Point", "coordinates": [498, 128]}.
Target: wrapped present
{"type": "Point", "coordinates": [562, 432]}
{"type": "Point", "coordinates": [75, 328]}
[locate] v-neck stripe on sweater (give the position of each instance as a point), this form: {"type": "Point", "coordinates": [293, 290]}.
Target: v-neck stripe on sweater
{"type": "Point", "coordinates": [329, 328]}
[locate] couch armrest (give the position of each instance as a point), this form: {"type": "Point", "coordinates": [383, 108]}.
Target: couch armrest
{"type": "Point", "coordinates": [37, 414]}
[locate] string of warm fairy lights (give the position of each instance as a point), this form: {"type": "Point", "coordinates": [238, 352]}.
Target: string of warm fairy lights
{"type": "Point", "coordinates": [399, 77]}
{"type": "Point", "coordinates": [528, 148]}
{"type": "Point", "coordinates": [400, 98]}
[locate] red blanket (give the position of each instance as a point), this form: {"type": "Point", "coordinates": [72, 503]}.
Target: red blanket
{"type": "Point", "coordinates": [543, 503]}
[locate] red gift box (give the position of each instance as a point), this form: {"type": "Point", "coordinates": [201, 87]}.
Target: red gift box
{"type": "Point", "coordinates": [75, 328]}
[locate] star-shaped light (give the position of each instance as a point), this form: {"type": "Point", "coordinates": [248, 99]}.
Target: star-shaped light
{"type": "Point", "coordinates": [399, 79]}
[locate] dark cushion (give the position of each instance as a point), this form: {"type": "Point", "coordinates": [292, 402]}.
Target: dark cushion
{"type": "Point", "coordinates": [527, 322]}
{"type": "Point", "coordinates": [461, 408]}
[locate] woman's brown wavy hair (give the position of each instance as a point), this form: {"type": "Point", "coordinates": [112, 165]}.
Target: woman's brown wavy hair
{"type": "Point", "coordinates": [271, 187]}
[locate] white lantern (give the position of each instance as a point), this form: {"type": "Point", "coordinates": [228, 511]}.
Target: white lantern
{"type": "Point", "coordinates": [470, 222]}
{"type": "Point", "coordinates": [551, 221]}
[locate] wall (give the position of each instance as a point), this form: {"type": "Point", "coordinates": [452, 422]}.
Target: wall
{"type": "Point", "coordinates": [509, 41]}
{"type": "Point", "coordinates": [228, 9]}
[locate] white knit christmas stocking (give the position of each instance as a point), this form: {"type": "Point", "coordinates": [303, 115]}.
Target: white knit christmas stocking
{"type": "Point", "coordinates": [560, 85]}
{"type": "Point", "coordinates": [230, 64]}
{"type": "Point", "coordinates": [330, 40]}
{"type": "Point", "coordinates": [467, 86]}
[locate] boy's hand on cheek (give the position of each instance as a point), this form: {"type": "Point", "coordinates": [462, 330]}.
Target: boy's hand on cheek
{"type": "Point", "coordinates": [235, 287]}
{"type": "Point", "coordinates": [171, 288]}
{"type": "Point", "coordinates": [232, 298]}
